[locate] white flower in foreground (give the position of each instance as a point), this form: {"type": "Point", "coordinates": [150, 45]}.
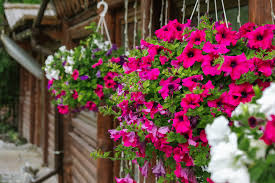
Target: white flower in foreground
{"type": "Point", "coordinates": [223, 166]}
{"type": "Point", "coordinates": [62, 48]}
{"type": "Point", "coordinates": [69, 69]}
{"type": "Point", "coordinates": [267, 101]}
{"type": "Point", "coordinates": [52, 74]}
{"type": "Point", "coordinates": [250, 108]}
{"type": "Point", "coordinates": [260, 145]}
{"type": "Point", "coordinates": [217, 131]}
{"type": "Point", "coordinates": [70, 60]}
{"type": "Point", "coordinates": [49, 60]}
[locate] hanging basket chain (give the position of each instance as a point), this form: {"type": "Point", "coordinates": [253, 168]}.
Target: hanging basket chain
{"type": "Point", "coordinates": [183, 11]}
{"type": "Point", "coordinates": [194, 9]}
{"type": "Point", "coordinates": [135, 24]}
{"type": "Point", "coordinates": [102, 23]}
{"type": "Point", "coordinates": [161, 13]}
{"type": "Point", "coordinates": [272, 12]}
{"type": "Point", "coordinates": [239, 13]}
{"type": "Point", "coordinates": [224, 14]}
{"type": "Point", "coordinates": [151, 16]}
{"type": "Point", "coordinates": [216, 10]}
{"type": "Point", "coordinates": [126, 25]}
{"type": "Point", "coordinates": [198, 10]}
{"type": "Point", "coordinates": [166, 12]}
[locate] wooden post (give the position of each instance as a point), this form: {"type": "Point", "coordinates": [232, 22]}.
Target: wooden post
{"type": "Point", "coordinates": [104, 143]}
{"type": "Point", "coordinates": [259, 11]}
{"type": "Point", "coordinates": [145, 16]}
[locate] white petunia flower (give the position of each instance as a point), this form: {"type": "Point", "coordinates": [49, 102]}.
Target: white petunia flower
{"type": "Point", "coordinates": [69, 69]}
{"type": "Point", "coordinates": [70, 60]}
{"type": "Point", "coordinates": [267, 101]}
{"type": "Point", "coordinates": [260, 145]}
{"type": "Point", "coordinates": [251, 108]}
{"type": "Point", "coordinates": [62, 49]}
{"type": "Point", "coordinates": [49, 60]}
{"type": "Point", "coordinates": [52, 74]}
{"type": "Point", "coordinates": [217, 131]}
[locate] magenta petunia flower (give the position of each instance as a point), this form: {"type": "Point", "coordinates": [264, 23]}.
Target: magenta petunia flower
{"type": "Point", "coordinates": [75, 94]}
{"type": "Point", "coordinates": [150, 74]}
{"type": "Point", "coordinates": [263, 66]}
{"type": "Point", "coordinates": [63, 109]}
{"type": "Point", "coordinates": [246, 28]}
{"type": "Point", "coordinates": [189, 56]}
{"type": "Point", "coordinates": [159, 170]}
{"type": "Point", "coordinates": [261, 37]}
{"type": "Point", "coordinates": [208, 66]}
{"type": "Point", "coordinates": [197, 37]}
{"type": "Point", "coordinates": [153, 108]}
{"type": "Point", "coordinates": [269, 132]}
{"type": "Point", "coordinates": [192, 82]}
{"type": "Point", "coordinates": [181, 122]}
{"type": "Point", "coordinates": [130, 139]}
{"type": "Point", "coordinates": [100, 62]}
{"type": "Point", "coordinates": [215, 49]}
{"type": "Point", "coordinates": [144, 169]}
{"type": "Point", "coordinates": [185, 174]}
{"type": "Point", "coordinates": [240, 93]}
{"type": "Point", "coordinates": [163, 59]}
{"type": "Point", "coordinates": [91, 106]}
{"type": "Point", "coordinates": [99, 91]}
{"type": "Point", "coordinates": [235, 66]}
{"type": "Point", "coordinates": [127, 179]}
{"type": "Point", "coordinates": [190, 101]}
{"type": "Point", "coordinates": [169, 86]}
{"type": "Point", "coordinates": [50, 83]}
{"type": "Point", "coordinates": [138, 97]}
{"type": "Point", "coordinates": [226, 36]}
{"type": "Point", "coordinates": [75, 74]}
{"type": "Point", "coordinates": [206, 89]}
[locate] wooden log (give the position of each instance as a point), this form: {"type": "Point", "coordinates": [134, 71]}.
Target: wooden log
{"type": "Point", "coordinates": [104, 143]}
{"type": "Point", "coordinates": [260, 11]}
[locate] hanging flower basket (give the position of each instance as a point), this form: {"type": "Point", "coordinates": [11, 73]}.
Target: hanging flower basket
{"type": "Point", "coordinates": [80, 79]}
{"type": "Point", "coordinates": [176, 84]}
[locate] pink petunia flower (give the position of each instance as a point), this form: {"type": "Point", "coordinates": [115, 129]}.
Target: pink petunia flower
{"type": "Point", "coordinates": [127, 179]}
{"type": "Point", "coordinates": [263, 66]}
{"type": "Point", "coordinates": [225, 35]}
{"type": "Point", "coordinates": [163, 59]}
{"type": "Point", "coordinates": [269, 132]}
{"type": "Point", "coordinates": [215, 49]}
{"type": "Point", "coordinates": [100, 62]}
{"type": "Point", "coordinates": [246, 28]}
{"type": "Point", "coordinates": [75, 94]}
{"type": "Point", "coordinates": [99, 91]}
{"type": "Point", "coordinates": [181, 122]}
{"type": "Point", "coordinates": [208, 66]}
{"type": "Point", "coordinates": [192, 82]}
{"type": "Point", "coordinates": [261, 37]}
{"type": "Point", "coordinates": [235, 66]}
{"type": "Point", "coordinates": [63, 109]}
{"type": "Point", "coordinates": [91, 106]}
{"type": "Point", "coordinates": [189, 56]}
{"type": "Point", "coordinates": [169, 86]}
{"type": "Point", "coordinates": [190, 101]}
{"type": "Point", "coordinates": [150, 74]}
{"type": "Point", "coordinates": [197, 37]}
{"type": "Point", "coordinates": [240, 93]}
{"type": "Point", "coordinates": [75, 74]}
{"type": "Point", "coordinates": [186, 175]}
{"type": "Point", "coordinates": [153, 108]}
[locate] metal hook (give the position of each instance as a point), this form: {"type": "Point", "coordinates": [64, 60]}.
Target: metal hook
{"type": "Point", "coordinates": [103, 13]}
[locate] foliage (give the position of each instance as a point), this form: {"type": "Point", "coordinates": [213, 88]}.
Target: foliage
{"type": "Point", "coordinates": [80, 78]}
{"type": "Point", "coordinates": [175, 84]}
{"type": "Point", "coordinates": [9, 133]}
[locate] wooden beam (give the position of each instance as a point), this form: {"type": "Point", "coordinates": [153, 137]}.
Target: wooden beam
{"type": "Point", "coordinates": [41, 12]}
{"type": "Point", "coordinates": [260, 11]}
{"type": "Point", "coordinates": [104, 143]}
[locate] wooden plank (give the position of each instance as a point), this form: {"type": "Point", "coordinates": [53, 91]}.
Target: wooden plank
{"type": "Point", "coordinates": [84, 161]}
{"type": "Point", "coordinates": [85, 128]}
{"type": "Point", "coordinates": [77, 174]}
{"type": "Point", "coordinates": [91, 142]}
{"type": "Point", "coordinates": [260, 11]}
{"type": "Point", "coordinates": [104, 143]}
{"type": "Point", "coordinates": [85, 174]}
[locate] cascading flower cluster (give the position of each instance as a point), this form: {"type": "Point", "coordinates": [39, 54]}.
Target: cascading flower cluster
{"type": "Point", "coordinates": [80, 79]}
{"type": "Point", "coordinates": [176, 84]}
